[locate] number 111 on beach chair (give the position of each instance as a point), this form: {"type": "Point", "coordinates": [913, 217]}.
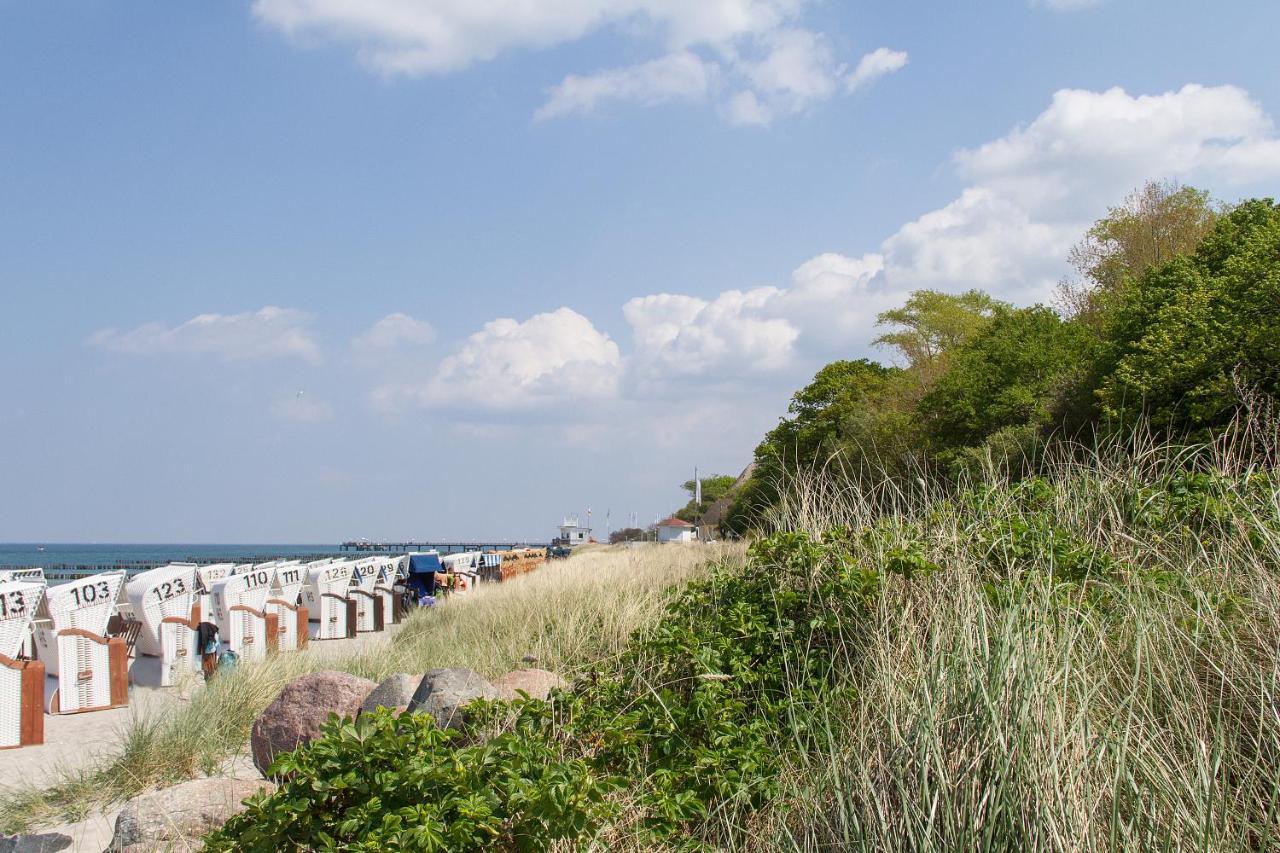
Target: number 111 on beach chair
{"type": "Point", "coordinates": [91, 670]}
{"type": "Point", "coordinates": [161, 599]}
{"type": "Point", "coordinates": [21, 681]}
{"type": "Point", "coordinates": [292, 618]}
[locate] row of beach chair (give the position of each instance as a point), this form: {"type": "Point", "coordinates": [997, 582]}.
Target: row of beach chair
{"type": "Point", "coordinates": [67, 648]}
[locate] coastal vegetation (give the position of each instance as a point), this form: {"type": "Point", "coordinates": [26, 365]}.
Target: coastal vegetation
{"type": "Point", "coordinates": [1018, 592]}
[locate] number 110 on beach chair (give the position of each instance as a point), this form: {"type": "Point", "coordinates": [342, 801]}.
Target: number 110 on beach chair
{"type": "Point", "coordinates": [239, 602]}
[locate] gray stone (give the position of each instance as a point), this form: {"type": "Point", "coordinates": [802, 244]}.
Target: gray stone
{"type": "Point", "coordinates": [394, 692]}
{"type": "Point", "coordinates": [537, 683]}
{"type": "Point", "coordinates": [443, 693]}
{"type": "Point", "coordinates": [178, 817]}
{"type": "Point", "coordinates": [296, 715]}
{"type": "Point", "coordinates": [43, 842]}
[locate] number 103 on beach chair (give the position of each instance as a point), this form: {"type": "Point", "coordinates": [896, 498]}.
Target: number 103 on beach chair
{"type": "Point", "coordinates": [92, 671]}
{"type": "Point", "coordinates": [161, 599]}
{"type": "Point", "coordinates": [21, 681]}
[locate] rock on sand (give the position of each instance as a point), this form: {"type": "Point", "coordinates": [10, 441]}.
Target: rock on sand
{"type": "Point", "coordinates": [295, 717]}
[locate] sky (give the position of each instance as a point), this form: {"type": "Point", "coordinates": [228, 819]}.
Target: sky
{"type": "Point", "coordinates": [312, 270]}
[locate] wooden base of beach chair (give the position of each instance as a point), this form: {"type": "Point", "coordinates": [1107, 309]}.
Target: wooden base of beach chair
{"type": "Point", "coordinates": [117, 674]}
{"type": "Point", "coordinates": [28, 727]}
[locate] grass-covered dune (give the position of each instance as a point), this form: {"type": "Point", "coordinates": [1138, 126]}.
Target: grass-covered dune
{"type": "Point", "coordinates": [1084, 660]}
{"type": "Point", "coordinates": [569, 614]}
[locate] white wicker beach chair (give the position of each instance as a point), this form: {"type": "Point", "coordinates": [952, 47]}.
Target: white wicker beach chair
{"type": "Point", "coordinates": [162, 601]}
{"type": "Point", "coordinates": [385, 589]}
{"type": "Point", "coordinates": [364, 582]}
{"type": "Point", "coordinates": [91, 670]}
{"type": "Point", "coordinates": [206, 577]}
{"type": "Point", "coordinates": [21, 681]}
{"type": "Point", "coordinates": [239, 609]}
{"type": "Point", "coordinates": [325, 595]}
{"type": "Point", "coordinates": [291, 616]}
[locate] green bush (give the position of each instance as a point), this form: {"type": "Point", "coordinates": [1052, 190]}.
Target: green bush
{"type": "Point", "coordinates": [702, 714]}
{"type": "Point", "coordinates": [388, 782]}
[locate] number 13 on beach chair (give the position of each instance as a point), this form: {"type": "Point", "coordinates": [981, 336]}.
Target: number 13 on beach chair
{"type": "Point", "coordinates": [21, 681]}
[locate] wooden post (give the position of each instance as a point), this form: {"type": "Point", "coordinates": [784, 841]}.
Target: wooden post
{"type": "Point", "coordinates": [273, 633]}
{"type": "Point", "coordinates": [32, 732]}
{"type": "Point", "coordinates": [304, 630]}
{"type": "Point", "coordinates": [118, 655]}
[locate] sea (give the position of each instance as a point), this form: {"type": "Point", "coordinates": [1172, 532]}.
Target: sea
{"type": "Point", "coordinates": [87, 554]}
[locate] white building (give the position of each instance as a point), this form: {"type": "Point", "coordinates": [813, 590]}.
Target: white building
{"type": "Point", "coordinates": [676, 530]}
{"type": "Point", "coordinates": [573, 534]}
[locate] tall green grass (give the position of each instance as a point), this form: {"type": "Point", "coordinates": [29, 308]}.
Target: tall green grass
{"type": "Point", "coordinates": [568, 615]}
{"type": "Point", "coordinates": [1005, 702]}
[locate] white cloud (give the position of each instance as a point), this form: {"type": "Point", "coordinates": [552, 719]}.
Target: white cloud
{"type": "Point", "coordinates": [394, 331]}
{"type": "Point", "coordinates": [874, 65]}
{"type": "Point", "coordinates": [439, 36]}
{"type": "Point", "coordinates": [1034, 191]}
{"type": "Point", "coordinates": [299, 408]}
{"type": "Point", "coordinates": [269, 332]}
{"type": "Point", "coordinates": [686, 336]}
{"type": "Point", "coordinates": [1066, 5]}
{"type": "Point", "coordinates": [519, 365]}
{"type": "Point", "coordinates": [776, 65]}
{"type": "Point", "coordinates": [677, 76]}
{"type": "Point", "coordinates": [1031, 194]}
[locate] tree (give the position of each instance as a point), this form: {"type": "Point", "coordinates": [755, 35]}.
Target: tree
{"type": "Point", "coordinates": [1153, 225]}
{"type": "Point", "coordinates": [713, 489]}
{"type": "Point", "coordinates": [1008, 375]}
{"type": "Point", "coordinates": [628, 534]}
{"type": "Point", "coordinates": [1183, 334]}
{"type": "Point", "coordinates": [931, 324]}
{"type": "Point", "coordinates": [822, 417]}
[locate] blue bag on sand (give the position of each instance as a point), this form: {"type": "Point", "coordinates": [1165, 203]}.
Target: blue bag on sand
{"type": "Point", "coordinates": [227, 661]}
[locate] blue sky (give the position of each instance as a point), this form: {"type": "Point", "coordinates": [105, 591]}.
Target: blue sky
{"type": "Point", "coordinates": [303, 270]}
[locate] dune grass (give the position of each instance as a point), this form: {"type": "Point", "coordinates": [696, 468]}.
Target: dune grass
{"type": "Point", "coordinates": [1086, 662]}
{"type": "Point", "coordinates": [568, 615]}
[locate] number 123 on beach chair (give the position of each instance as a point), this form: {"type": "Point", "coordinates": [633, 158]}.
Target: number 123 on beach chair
{"type": "Point", "coordinates": [161, 599]}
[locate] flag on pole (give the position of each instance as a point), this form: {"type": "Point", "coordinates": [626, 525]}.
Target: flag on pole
{"type": "Point", "coordinates": [697, 488]}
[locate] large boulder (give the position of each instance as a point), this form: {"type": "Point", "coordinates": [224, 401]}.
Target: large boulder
{"type": "Point", "coordinates": [43, 842]}
{"type": "Point", "coordinates": [395, 692]}
{"type": "Point", "coordinates": [295, 717]}
{"type": "Point", "coordinates": [443, 693]}
{"type": "Point", "coordinates": [177, 817]}
{"type": "Point", "coordinates": [538, 683]}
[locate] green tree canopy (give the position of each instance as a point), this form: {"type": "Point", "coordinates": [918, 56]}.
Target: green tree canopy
{"type": "Point", "coordinates": [1153, 225]}
{"type": "Point", "coordinates": [932, 323]}
{"type": "Point", "coordinates": [1184, 333]}
{"type": "Point", "coordinates": [1006, 376]}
